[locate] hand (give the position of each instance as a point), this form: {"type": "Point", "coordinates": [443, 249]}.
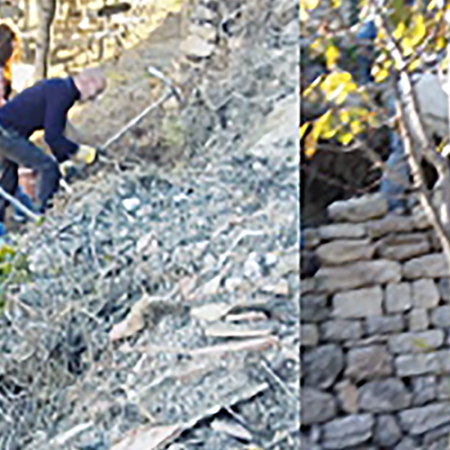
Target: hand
{"type": "Point", "coordinates": [85, 154]}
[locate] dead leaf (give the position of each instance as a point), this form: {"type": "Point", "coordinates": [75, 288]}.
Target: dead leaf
{"type": "Point", "coordinates": [133, 323]}
{"type": "Point", "coordinates": [212, 287]}
{"type": "Point", "coordinates": [251, 316]}
{"type": "Point", "coordinates": [147, 244]}
{"type": "Point", "coordinates": [281, 288]}
{"type": "Point", "coordinates": [211, 312]}
{"type": "Point", "coordinates": [232, 428]}
{"type": "Point", "coordinates": [148, 438]}
{"type": "Point", "coordinates": [187, 285]}
{"type": "Point", "coordinates": [257, 344]}
{"type": "Point", "coordinates": [227, 330]}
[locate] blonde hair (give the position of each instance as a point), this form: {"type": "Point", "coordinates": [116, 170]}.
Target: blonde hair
{"type": "Point", "coordinates": [10, 36]}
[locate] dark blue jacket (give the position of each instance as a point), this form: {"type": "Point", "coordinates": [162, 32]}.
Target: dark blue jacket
{"type": "Point", "coordinates": [44, 106]}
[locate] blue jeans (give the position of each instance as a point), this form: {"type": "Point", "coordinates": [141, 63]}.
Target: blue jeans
{"type": "Point", "coordinates": [18, 151]}
{"type": "Point", "coordinates": [26, 201]}
{"type": "Point", "coordinates": [391, 188]}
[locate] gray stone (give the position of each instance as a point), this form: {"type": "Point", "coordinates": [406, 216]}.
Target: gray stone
{"type": "Point", "coordinates": [358, 303]}
{"type": "Point", "coordinates": [305, 443]}
{"type": "Point", "coordinates": [387, 431]}
{"type": "Point", "coordinates": [311, 238]}
{"type": "Point", "coordinates": [416, 342]}
{"type": "Point", "coordinates": [425, 294]}
{"type": "Point", "coordinates": [309, 335]}
{"type": "Point", "coordinates": [420, 219]}
{"type": "Point", "coordinates": [357, 275]}
{"type": "Point", "coordinates": [322, 366]}
{"type": "Point", "coordinates": [341, 330]}
{"type": "Point", "coordinates": [368, 362]}
{"type": "Point", "coordinates": [443, 388]}
{"type": "Point", "coordinates": [398, 297]}
{"type": "Point", "coordinates": [317, 406]}
{"type": "Point", "coordinates": [380, 339]}
{"type": "Point", "coordinates": [196, 47]}
{"type": "Point", "coordinates": [348, 431]}
{"type": "Point", "coordinates": [308, 286]}
{"type": "Point", "coordinates": [347, 396]}
{"type": "Point", "coordinates": [382, 396]}
{"type": "Point", "coordinates": [407, 444]}
{"type": "Point", "coordinates": [441, 444]}
{"type": "Point", "coordinates": [389, 224]}
{"type": "Point", "coordinates": [436, 245]}
{"type": "Point", "coordinates": [428, 266]}
{"type": "Point", "coordinates": [358, 209]}
{"type": "Point", "coordinates": [344, 251]}
{"type": "Point", "coordinates": [422, 419]}
{"type": "Point", "coordinates": [444, 289]}
{"type": "Point", "coordinates": [436, 435]}
{"type": "Point", "coordinates": [435, 363]}
{"type": "Point", "coordinates": [384, 324]}
{"type": "Point", "coordinates": [424, 390]}
{"type": "Point", "coordinates": [314, 308]}
{"type": "Point", "coordinates": [418, 319]}
{"type": "Point", "coordinates": [403, 247]}
{"type": "Point", "coordinates": [440, 317]}
{"type": "Point", "coordinates": [342, 231]}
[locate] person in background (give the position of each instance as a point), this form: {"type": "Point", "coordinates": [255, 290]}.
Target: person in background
{"type": "Point", "coordinates": [44, 106]}
{"type": "Point", "coordinates": [10, 53]}
{"type": "Point", "coordinates": [392, 189]}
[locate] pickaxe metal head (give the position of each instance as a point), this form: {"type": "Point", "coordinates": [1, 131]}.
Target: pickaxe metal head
{"type": "Point", "coordinates": [153, 71]}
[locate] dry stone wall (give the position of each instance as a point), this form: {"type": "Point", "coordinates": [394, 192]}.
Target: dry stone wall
{"type": "Point", "coordinates": [375, 333]}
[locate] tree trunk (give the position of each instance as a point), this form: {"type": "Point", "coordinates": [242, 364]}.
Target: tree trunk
{"type": "Point", "coordinates": [47, 9]}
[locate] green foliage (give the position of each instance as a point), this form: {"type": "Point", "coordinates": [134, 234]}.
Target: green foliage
{"type": "Point", "coordinates": [14, 270]}
{"type": "Point", "coordinates": [415, 31]}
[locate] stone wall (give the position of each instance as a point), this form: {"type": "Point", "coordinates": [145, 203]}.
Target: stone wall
{"type": "Point", "coordinates": [375, 333]}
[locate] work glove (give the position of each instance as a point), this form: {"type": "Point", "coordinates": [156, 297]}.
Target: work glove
{"type": "Point", "coordinates": [85, 155]}
{"type": "Point", "coordinates": [68, 169]}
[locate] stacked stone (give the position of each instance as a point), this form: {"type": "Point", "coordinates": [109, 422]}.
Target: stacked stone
{"type": "Point", "coordinates": [375, 333]}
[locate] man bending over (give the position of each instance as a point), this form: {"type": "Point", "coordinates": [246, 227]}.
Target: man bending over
{"type": "Point", "coordinates": [43, 106]}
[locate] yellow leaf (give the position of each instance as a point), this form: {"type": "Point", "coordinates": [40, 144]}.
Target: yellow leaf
{"type": "Point", "coordinates": [327, 126]}
{"type": "Point", "coordinates": [310, 4]}
{"type": "Point", "coordinates": [335, 3]}
{"type": "Point", "coordinates": [316, 45]}
{"type": "Point", "coordinates": [345, 138]}
{"type": "Point", "coordinates": [332, 56]}
{"type": "Point", "coordinates": [356, 127]}
{"type": "Point", "coordinates": [310, 145]}
{"type": "Point", "coordinates": [312, 86]}
{"type": "Point", "coordinates": [320, 124]}
{"type": "Point", "coordinates": [379, 74]}
{"type": "Point", "coordinates": [407, 47]}
{"type": "Point", "coordinates": [6, 250]}
{"type": "Point", "coordinates": [303, 129]}
{"type": "Point", "coordinates": [337, 86]}
{"type": "Point", "coordinates": [432, 5]}
{"type": "Point", "coordinates": [441, 43]}
{"type": "Point", "coordinates": [303, 15]}
{"type": "Point", "coordinates": [414, 65]}
{"type": "Point", "coordinates": [399, 31]}
{"type": "Point", "coordinates": [418, 30]}
{"type": "Point", "coordinates": [344, 116]}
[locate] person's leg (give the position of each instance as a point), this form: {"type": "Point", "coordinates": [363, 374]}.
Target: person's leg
{"type": "Point", "coordinates": [22, 152]}
{"type": "Point", "coordinates": [26, 200]}
{"type": "Point", "coordinates": [8, 181]}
